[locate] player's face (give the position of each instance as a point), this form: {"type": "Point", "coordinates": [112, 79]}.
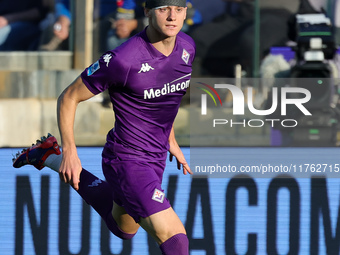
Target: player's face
{"type": "Point", "coordinates": [167, 20]}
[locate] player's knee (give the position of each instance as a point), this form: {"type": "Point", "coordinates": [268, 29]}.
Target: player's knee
{"type": "Point", "coordinates": [176, 245]}
{"type": "Point", "coordinates": [114, 228]}
{"type": "Point", "coordinates": [120, 233]}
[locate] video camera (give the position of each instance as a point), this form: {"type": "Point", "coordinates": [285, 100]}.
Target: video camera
{"type": "Point", "coordinates": [314, 51]}
{"type": "Point", "coordinates": [314, 37]}
{"type": "Point", "coordinates": [315, 47]}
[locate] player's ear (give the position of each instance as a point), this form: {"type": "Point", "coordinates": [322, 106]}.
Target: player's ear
{"type": "Point", "coordinates": [186, 11]}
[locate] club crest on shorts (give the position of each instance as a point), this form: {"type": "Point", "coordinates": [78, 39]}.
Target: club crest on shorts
{"type": "Point", "coordinates": [185, 56]}
{"type": "Point", "coordinates": [158, 196]}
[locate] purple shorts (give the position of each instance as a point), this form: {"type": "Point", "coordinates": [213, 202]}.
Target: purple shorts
{"type": "Point", "coordinates": [136, 183]}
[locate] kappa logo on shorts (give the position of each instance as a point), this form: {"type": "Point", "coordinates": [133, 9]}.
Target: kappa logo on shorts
{"type": "Point", "coordinates": [185, 56]}
{"type": "Point", "coordinates": [158, 196]}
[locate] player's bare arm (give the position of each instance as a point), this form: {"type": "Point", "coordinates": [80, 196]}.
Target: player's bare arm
{"type": "Point", "coordinates": [175, 151]}
{"type": "Point", "coordinates": [68, 101]}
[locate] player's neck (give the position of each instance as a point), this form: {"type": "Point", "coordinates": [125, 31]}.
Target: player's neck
{"type": "Point", "coordinates": [164, 45]}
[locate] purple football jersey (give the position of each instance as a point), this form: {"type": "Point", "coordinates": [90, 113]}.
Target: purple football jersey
{"type": "Point", "coordinates": [145, 88]}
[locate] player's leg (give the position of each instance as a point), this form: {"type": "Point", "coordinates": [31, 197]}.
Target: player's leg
{"type": "Point", "coordinates": [99, 195]}
{"type": "Point", "coordinates": [143, 198]}
{"type": "Point", "coordinates": [94, 191]}
{"type": "Point", "coordinates": [125, 222]}
{"type": "Point", "coordinates": [168, 231]}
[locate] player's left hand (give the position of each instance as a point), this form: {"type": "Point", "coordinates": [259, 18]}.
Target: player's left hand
{"type": "Point", "coordinates": [186, 167]}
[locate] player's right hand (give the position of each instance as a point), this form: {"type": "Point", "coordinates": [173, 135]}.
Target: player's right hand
{"type": "Point", "coordinates": [70, 169]}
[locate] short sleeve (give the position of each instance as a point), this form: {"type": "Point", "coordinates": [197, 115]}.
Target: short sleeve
{"type": "Point", "coordinates": [108, 71]}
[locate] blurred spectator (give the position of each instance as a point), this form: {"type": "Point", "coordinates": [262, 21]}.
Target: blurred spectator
{"type": "Point", "coordinates": [125, 24]}
{"type": "Point", "coordinates": [105, 12]}
{"type": "Point", "coordinates": [114, 22]}
{"type": "Point", "coordinates": [108, 12]}
{"type": "Point", "coordinates": [19, 23]}
{"type": "Point", "coordinates": [194, 18]}
{"type": "Point", "coordinates": [229, 39]}
{"type": "Point", "coordinates": [55, 36]}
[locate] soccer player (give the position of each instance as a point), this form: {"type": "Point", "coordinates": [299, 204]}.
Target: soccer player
{"type": "Point", "coordinates": [146, 78]}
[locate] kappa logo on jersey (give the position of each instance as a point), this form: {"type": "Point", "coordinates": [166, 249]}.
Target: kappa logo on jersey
{"type": "Point", "coordinates": [95, 183]}
{"type": "Point", "coordinates": [158, 196]}
{"type": "Point", "coordinates": [93, 68]}
{"type": "Point", "coordinates": [145, 68]}
{"type": "Point", "coordinates": [185, 56]}
{"type": "Point", "coordinates": [107, 59]}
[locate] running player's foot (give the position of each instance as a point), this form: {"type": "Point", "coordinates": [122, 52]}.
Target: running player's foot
{"type": "Point", "coordinates": [38, 153]}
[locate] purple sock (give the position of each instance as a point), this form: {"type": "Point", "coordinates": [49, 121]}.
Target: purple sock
{"type": "Point", "coordinates": [176, 245]}
{"type": "Point", "coordinates": [98, 194]}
